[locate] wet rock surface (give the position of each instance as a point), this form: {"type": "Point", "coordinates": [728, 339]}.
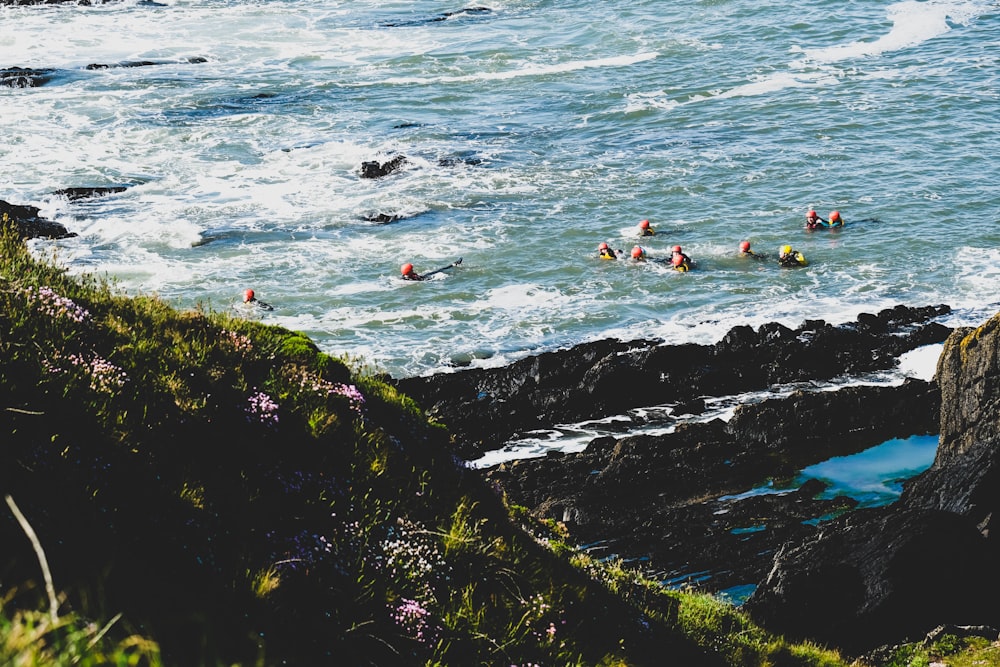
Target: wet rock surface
{"type": "Point", "coordinates": [375, 169]}
{"type": "Point", "coordinates": [678, 503]}
{"type": "Point", "coordinates": [28, 225]}
{"type": "Point", "coordinates": [24, 77]}
{"type": "Point", "coordinates": [484, 408]}
{"type": "Point", "coordinates": [75, 194]}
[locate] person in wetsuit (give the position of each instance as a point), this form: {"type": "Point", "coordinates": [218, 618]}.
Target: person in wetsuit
{"type": "Point", "coordinates": [787, 256]}
{"type": "Point", "coordinates": [604, 251]}
{"type": "Point", "coordinates": [408, 273]}
{"type": "Point", "coordinates": [745, 251]}
{"type": "Point", "coordinates": [250, 299]}
{"type": "Point", "coordinates": [813, 221]}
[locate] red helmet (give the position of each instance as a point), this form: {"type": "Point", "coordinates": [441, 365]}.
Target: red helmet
{"type": "Point", "coordinates": [406, 269]}
{"type": "Point", "coordinates": [644, 224]}
{"type": "Point", "coordinates": [603, 246]}
{"type": "Point", "coordinates": [247, 295]}
{"type": "Point", "coordinates": [811, 213]}
{"type": "Point", "coordinates": [676, 248]}
{"type": "Point", "coordinates": [744, 246]}
{"type": "Point", "coordinates": [834, 215]}
{"type": "Point", "coordinates": [637, 252]}
{"type": "Point", "coordinates": [677, 260]}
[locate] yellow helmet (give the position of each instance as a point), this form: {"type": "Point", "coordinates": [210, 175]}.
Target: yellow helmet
{"type": "Point", "coordinates": [786, 249]}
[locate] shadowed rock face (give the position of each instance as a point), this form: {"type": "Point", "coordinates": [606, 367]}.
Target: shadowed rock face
{"type": "Point", "coordinates": [662, 499]}
{"type": "Point", "coordinates": [892, 574]}
{"type": "Point", "coordinates": [484, 408]}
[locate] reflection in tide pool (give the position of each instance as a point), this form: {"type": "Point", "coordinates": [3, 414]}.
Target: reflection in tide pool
{"type": "Point", "coordinates": [875, 476]}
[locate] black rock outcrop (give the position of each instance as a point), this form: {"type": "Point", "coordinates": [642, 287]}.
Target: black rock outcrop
{"type": "Point", "coordinates": [28, 225]}
{"type": "Point", "coordinates": [483, 408]}
{"type": "Point", "coordinates": [23, 77]}
{"type": "Point", "coordinates": [891, 574]}
{"type": "Point", "coordinates": [376, 169]}
{"type": "Point", "coordinates": [74, 194]}
{"type": "Point", "coordinates": [683, 505]}
{"type": "Point", "coordinates": [147, 63]}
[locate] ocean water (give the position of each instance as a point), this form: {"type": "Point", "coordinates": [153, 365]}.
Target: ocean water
{"type": "Point", "coordinates": [533, 130]}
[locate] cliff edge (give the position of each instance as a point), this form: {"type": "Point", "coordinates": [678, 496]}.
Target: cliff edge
{"type": "Point", "coordinates": [892, 574]}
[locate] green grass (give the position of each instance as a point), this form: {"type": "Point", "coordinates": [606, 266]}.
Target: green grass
{"type": "Point", "coordinates": [232, 496]}
{"type": "Point", "coordinates": [33, 638]}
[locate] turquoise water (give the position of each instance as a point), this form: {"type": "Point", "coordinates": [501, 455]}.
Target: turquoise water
{"type": "Point", "coordinates": [875, 476]}
{"type": "Point", "coordinates": [533, 130]}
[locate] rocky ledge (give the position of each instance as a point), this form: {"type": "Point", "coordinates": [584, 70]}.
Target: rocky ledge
{"type": "Point", "coordinates": [27, 223]}
{"type": "Point", "coordinates": [484, 408]}
{"type": "Point", "coordinates": [819, 569]}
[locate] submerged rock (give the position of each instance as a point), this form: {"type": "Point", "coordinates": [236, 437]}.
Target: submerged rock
{"type": "Point", "coordinates": [193, 60]}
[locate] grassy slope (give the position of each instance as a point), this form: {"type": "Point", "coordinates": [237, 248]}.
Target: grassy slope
{"type": "Point", "coordinates": [240, 497]}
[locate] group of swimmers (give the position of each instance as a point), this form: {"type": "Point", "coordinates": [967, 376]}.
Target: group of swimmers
{"type": "Point", "coordinates": [679, 261]}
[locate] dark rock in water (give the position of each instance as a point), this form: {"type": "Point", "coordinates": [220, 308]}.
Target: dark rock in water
{"type": "Point", "coordinates": [147, 63]}
{"type": "Point", "coordinates": [23, 77]}
{"type": "Point", "coordinates": [663, 499]}
{"type": "Point", "coordinates": [84, 3]}
{"type": "Point", "coordinates": [383, 218]}
{"type": "Point", "coordinates": [469, 11]}
{"type": "Point", "coordinates": [74, 194]}
{"type": "Point", "coordinates": [454, 161]}
{"type": "Point", "coordinates": [25, 220]}
{"type": "Point", "coordinates": [136, 63]}
{"type": "Point", "coordinates": [483, 408]}
{"type": "Point", "coordinates": [375, 169]}
{"type": "Point", "coordinates": [891, 574]}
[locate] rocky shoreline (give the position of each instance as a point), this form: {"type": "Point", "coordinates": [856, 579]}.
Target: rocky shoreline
{"type": "Point", "coordinates": [819, 570]}
{"type": "Point", "coordinates": [483, 408]}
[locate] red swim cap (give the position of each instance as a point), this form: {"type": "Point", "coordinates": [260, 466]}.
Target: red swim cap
{"type": "Point", "coordinates": [603, 246]}
{"type": "Point", "coordinates": [644, 224]}
{"type": "Point", "coordinates": [247, 295]}
{"type": "Point", "coordinates": [811, 213]}
{"type": "Point", "coordinates": [835, 215]}
{"type": "Point", "coordinates": [406, 268]}
{"type": "Point", "coordinates": [676, 248]}
{"type": "Point", "coordinates": [744, 246]}
{"type": "Point", "coordinates": [637, 252]}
